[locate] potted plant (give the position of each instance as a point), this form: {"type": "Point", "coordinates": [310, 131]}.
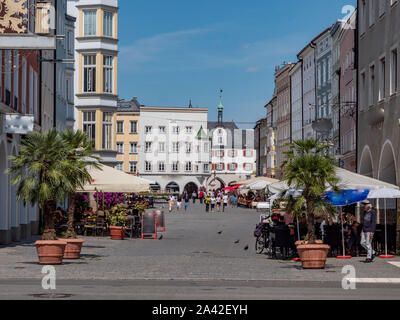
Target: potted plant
{"type": "Point", "coordinates": [44, 174]}
{"type": "Point", "coordinates": [79, 149]}
{"type": "Point", "coordinates": [310, 169]}
{"type": "Point", "coordinates": [118, 220]}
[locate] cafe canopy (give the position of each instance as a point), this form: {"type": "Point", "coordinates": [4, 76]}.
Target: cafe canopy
{"type": "Point", "coordinates": [107, 179]}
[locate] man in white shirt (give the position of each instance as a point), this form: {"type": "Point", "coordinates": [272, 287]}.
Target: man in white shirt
{"type": "Point", "coordinates": [226, 200]}
{"type": "Point", "coordinates": [171, 201]}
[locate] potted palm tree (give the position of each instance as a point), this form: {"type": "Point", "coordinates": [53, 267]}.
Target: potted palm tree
{"type": "Point", "coordinates": [79, 149]}
{"type": "Point", "coordinates": [118, 220]}
{"type": "Point", "coordinates": [310, 169]}
{"type": "Point", "coordinates": [44, 174]}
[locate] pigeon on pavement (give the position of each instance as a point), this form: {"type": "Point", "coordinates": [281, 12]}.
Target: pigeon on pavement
{"type": "Point", "coordinates": [237, 241]}
{"type": "Point", "coordinates": [220, 232]}
{"type": "Point", "coordinates": [160, 238]}
{"type": "Point", "coordinates": [246, 247]}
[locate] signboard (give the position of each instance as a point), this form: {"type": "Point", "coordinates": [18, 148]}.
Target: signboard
{"type": "Point", "coordinates": [149, 225]}
{"type": "Point", "coordinates": [13, 16]}
{"type": "Point", "coordinates": [17, 124]}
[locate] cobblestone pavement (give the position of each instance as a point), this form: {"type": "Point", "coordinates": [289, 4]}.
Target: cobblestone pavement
{"type": "Point", "coordinates": [191, 248]}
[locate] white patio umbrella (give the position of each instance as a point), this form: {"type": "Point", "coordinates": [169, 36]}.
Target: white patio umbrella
{"type": "Point", "coordinates": [108, 179]}
{"type": "Point", "coordinates": [385, 193]}
{"type": "Point", "coordinates": [258, 185]}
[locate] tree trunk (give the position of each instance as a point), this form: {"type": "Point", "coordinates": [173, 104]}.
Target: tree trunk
{"type": "Point", "coordinates": [71, 210]}
{"type": "Point", "coordinates": [49, 231]}
{"type": "Point", "coordinates": [310, 222]}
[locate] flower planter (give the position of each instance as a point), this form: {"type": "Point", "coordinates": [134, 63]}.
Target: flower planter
{"type": "Point", "coordinates": [117, 233]}
{"type": "Point", "coordinates": [313, 256]}
{"type": "Point", "coordinates": [73, 248]}
{"type": "Point", "coordinates": [50, 252]}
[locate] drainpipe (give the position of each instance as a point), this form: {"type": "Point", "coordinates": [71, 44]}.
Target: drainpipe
{"type": "Point", "coordinates": [55, 69]}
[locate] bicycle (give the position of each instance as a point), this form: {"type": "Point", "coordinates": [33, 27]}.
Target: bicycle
{"type": "Point", "coordinates": [263, 242]}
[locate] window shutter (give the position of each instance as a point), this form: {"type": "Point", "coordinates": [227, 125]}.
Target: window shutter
{"type": "Point", "coordinates": [223, 153]}
{"type": "Point", "coordinates": [236, 166]}
{"type": "Point", "coordinates": [244, 166]}
{"type": "Point", "coordinates": [236, 153]}
{"type": "Point", "coordinates": [244, 153]}
{"type": "Point", "coordinates": [223, 166]}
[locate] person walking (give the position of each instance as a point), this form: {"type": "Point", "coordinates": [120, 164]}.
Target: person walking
{"type": "Point", "coordinates": [201, 197]}
{"type": "Point", "coordinates": [187, 199]}
{"type": "Point", "coordinates": [171, 201]}
{"type": "Point", "coordinates": [179, 203]}
{"type": "Point", "coordinates": [207, 202]}
{"type": "Point", "coordinates": [225, 201]}
{"type": "Point", "coordinates": [212, 203]}
{"type": "Point", "coordinates": [218, 202]}
{"type": "Point", "coordinates": [194, 196]}
{"type": "Point", "coordinates": [368, 230]}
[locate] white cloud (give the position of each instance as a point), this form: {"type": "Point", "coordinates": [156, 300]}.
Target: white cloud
{"type": "Point", "coordinates": [252, 69]}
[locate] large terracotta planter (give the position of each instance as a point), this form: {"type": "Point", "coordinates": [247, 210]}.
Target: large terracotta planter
{"type": "Point", "coordinates": [313, 256]}
{"type": "Point", "coordinates": [73, 248]}
{"type": "Point", "coordinates": [117, 233]}
{"type": "Point", "coordinates": [50, 252]}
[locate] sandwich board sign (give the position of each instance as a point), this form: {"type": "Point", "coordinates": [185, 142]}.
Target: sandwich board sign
{"type": "Point", "coordinates": [160, 214]}
{"type": "Point", "coordinates": [149, 225]}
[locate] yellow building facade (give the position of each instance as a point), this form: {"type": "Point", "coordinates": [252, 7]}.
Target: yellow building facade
{"type": "Point", "coordinates": [96, 71]}
{"type": "Point", "coordinates": [127, 136]}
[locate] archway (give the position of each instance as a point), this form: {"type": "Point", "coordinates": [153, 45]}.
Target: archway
{"type": "Point", "coordinates": [191, 187]}
{"type": "Point", "coordinates": [215, 184]}
{"type": "Point", "coordinates": [388, 173]}
{"type": "Point", "coordinates": [172, 187]}
{"type": "Point", "coordinates": [366, 165]}
{"type": "Point", "coordinates": [155, 187]}
{"type": "Point", "coordinates": [4, 189]}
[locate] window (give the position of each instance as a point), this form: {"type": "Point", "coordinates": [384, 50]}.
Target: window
{"type": "Point", "coordinates": [148, 166]}
{"type": "Point", "coordinates": [148, 146]}
{"type": "Point", "coordinates": [16, 79]}
{"type": "Point", "coordinates": [189, 129]}
{"type": "Point", "coordinates": [382, 79]}
{"type": "Point", "coordinates": [382, 7]}
{"type": "Point", "coordinates": [206, 168]}
{"type": "Point", "coordinates": [133, 127]}
{"type": "Point", "coordinates": [206, 148]}
{"type": "Point", "coordinates": [220, 140]}
{"type": "Point", "coordinates": [220, 166]}
{"type": "Point", "coordinates": [248, 166]}
{"type": "Point", "coordinates": [363, 90]}
{"type": "Point", "coordinates": [89, 73]}
{"type": "Point", "coordinates": [176, 130]}
{"type": "Point", "coordinates": [161, 147]}
{"type": "Point", "coordinates": [108, 73]}
{"type": "Point", "coordinates": [371, 12]}
{"type": "Point", "coordinates": [175, 147]}
{"type": "Point", "coordinates": [188, 166]}
{"type": "Point", "coordinates": [133, 148]}
{"type": "Point", "coordinates": [232, 166]}
{"type": "Point", "coordinates": [24, 70]}
{"type": "Point", "coordinates": [220, 153]}
{"type": "Point", "coordinates": [394, 72]}
{"type": "Point", "coordinates": [188, 147]}
{"type": "Point", "coordinates": [371, 85]}
{"type": "Point", "coordinates": [70, 42]}
{"type": "Point", "coordinates": [120, 166]}
{"type": "Point", "coordinates": [161, 129]}
{"type": "Point", "coordinates": [90, 19]}
{"type": "Point", "coordinates": [133, 167]}
{"type": "Point", "coordinates": [120, 147]}
{"type": "Point", "coordinates": [147, 129]}
{"type": "Point", "coordinates": [107, 130]}
{"type": "Point", "coordinates": [161, 166]}
{"type": "Point", "coordinates": [108, 24]}
{"type": "Point", "coordinates": [89, 123]}
{"type": "Point", "coordinates": [363, 16]}
{"type": "Point", "coordinates": [175, 166]}
{"type": "Point", "coordinates": [7, 80]}
{"type": "Point", "coordinates": [120, 127]}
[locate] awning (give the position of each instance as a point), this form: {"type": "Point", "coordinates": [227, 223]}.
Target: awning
{"type": "Point", "coordinates": [347, 181]}
{"type": "Point", "coordinates": [256, 179]}
{"type": "Point", "coordinates": [108, 179]}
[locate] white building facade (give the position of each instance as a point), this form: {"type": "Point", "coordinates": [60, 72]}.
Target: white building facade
{"type": "Point", "coordinates": [233, 155]}
{"type": "Point", "coordinates": [296, 100]}
{"type": "Point", "coordinates": [174, 148]}
{"type": "Point", "coordinates": [308, 64]}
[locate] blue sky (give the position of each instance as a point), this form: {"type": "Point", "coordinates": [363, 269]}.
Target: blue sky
{"type": "Point", "coordinates": [175, 50]}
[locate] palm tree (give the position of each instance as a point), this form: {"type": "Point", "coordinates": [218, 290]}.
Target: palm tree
{"type": "Point", "coordinates": [39, 171]}
{"type": "Point", "coordinates": [80, 157]}
{"type": "Point", "coordinates": [310, 169]}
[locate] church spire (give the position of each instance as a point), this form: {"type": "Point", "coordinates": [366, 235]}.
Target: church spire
{"type": "Point", "coordinates": [220, 107]}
